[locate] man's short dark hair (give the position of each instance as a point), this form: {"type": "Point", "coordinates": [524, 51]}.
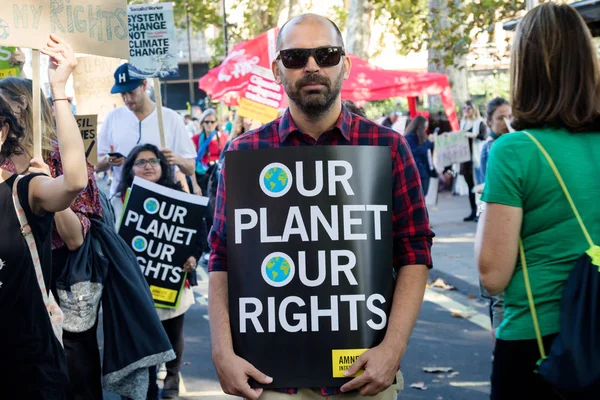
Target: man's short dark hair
{"type": "Point", "coordinates": [339, 37]}
{"type": "Point", "coordinates": [187, 116]}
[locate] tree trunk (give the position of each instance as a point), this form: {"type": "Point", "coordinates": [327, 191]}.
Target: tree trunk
{"type": "Point", "coordinates": [457, 73]}
{"type": "Point", "coordinates": [358, 35]}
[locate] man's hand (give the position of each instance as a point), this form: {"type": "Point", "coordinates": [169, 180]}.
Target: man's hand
{"type": "Point", "coordinates": [114, 161]}
{"type": "Point", "coordinates": [380, 365]}
{"type": "Point", "coordinates": [172, 157]}
{"type": "Point", "coordinates": [234, 372]}
{"type": "Point", "coordinates": [190, 264]}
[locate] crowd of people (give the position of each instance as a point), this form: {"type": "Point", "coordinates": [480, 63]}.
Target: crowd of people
{"type": "Point", "coordinates": [53, 208]}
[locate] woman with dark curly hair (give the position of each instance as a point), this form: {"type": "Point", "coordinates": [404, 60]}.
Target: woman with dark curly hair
{"type": "Point", "coordinates": [148, 162]}
{"type": "Point", "coordinates": [69, 230]}
{"type": "Point", "coordinates": [32, 356]}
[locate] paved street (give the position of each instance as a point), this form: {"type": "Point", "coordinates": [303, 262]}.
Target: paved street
{"type": "Point", "coordinates": [452, 330]}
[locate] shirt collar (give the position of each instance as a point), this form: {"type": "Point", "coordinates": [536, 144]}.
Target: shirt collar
{"type": "Point", "coordinates": [287, 126]}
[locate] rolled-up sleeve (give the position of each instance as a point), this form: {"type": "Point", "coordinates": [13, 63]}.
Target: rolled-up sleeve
{"type": "Point", "coordinates": [217, 238]}
{"type": "Point", "coordinates": [412, 235]}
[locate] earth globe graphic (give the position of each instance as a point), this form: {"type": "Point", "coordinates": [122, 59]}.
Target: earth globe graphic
{"type": "Point", "coordinates": [139, 243]}
{"type": "Point", "coordinates": [278, 269]}
{"type": "Point", "coordinates": [151, 206]}
{"type": "Point", "coordinates": [276, 180]}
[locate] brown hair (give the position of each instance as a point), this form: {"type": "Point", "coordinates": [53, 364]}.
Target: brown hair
{"type": "Point", "coordinates": [14, 88]}
{"type": "Point", "coordinates": [417, 126]}
{"type": "Point", "coordinates": [554, 71]}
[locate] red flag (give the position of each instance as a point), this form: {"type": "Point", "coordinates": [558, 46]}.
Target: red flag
{"type": "Point", "coordinates": [227, 81]}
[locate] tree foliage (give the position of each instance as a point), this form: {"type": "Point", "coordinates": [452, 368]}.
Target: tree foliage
{"type": "Point", "coordinates": [449, 30]}
{"type": "Point", "coordinates": [258, 16]}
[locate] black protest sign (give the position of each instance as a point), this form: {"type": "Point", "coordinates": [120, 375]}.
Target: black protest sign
{"type": "Point", "coordinates": [88, 125]}
{"type": "Point", "coordinates": [309, 257]}
{"type": "Point", "coordinates": [161, 226]}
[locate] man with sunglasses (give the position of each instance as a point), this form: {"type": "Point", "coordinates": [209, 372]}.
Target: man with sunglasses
{"type": "Point", "coordinates": [137, 123]}
{"type": "Point", "coordinates": [312, 65]}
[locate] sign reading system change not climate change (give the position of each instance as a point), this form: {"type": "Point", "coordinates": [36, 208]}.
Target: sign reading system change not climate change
{"type": "Point", "coordinates": [152, 47]}
{"type": "Point", "coordinates": [161, 226]}
{"type": "Point", "coordinates": [309, 257]}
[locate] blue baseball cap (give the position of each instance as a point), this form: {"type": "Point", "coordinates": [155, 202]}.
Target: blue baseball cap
{"type": "Point", "coordinates": [123, 82]}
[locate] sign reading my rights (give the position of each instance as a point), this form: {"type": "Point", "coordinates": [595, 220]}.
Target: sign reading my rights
{"type": "Point", "coordinates": [161, 226]}
{"type": "Point", "coordinates": [309, 257]}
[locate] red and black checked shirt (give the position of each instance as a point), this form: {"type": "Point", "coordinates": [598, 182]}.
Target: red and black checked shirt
{"type": "Point", "coordinates": [412, 237]}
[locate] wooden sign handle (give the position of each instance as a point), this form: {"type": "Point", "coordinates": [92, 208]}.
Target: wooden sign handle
{"type": "Point", "coordinates": [37, 104]}
{"type": "Point", "coordinates": [161, 127]}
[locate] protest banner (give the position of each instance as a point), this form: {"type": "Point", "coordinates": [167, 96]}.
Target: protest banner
{"type": "Point", "coordinates": [160, 225]}
{"type": "Point", "coordinates": [89, 26]}
{"type": "Point", "coordinates": [6, 68]}
{"type": "Point", "coordinates": [262, 98]}
{"type": "Point", "coordinates": [92, 81]}
{"type": "Point", "coordinates": [88, 125]}
{"type": "Point", "coordinates": [152, 45]}
{"type": "Point", "coordinates": [451, 148]}
{"type": "Point", "coordinates": [153, 52]}
{"type": "Point", "coordinates": [309, 259]}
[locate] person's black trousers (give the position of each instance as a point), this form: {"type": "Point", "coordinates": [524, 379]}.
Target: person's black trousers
{"type": "Point", "coordinates": [174, 329]}
{"type": "Point", "coordinates": [467, 172]}
{"type": "Point", "coordinates": [83, 363]}
{"type": "Point", "coordinates": [513, 376]}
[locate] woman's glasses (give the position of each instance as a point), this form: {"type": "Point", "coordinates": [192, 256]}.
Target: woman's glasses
{"type": "Point", "coordinates": [324, 56]}
{"type": "Point", "coordinates": [208, 122]}
{"type": "Point", "coordinates": [142, 162]}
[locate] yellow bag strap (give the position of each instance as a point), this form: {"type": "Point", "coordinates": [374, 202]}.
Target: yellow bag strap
{"type": "Point", "coordinates": [564, 188]}
{"type": "Point", "coordinates": [593, 250]}
{"type": "Point", "coordinates": [536, 324]}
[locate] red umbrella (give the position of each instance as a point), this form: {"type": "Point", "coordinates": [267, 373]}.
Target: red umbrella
{"type": "Point", "coordinates": [228, 80]}
{"type": "Point", "coordinates": [368, 83]}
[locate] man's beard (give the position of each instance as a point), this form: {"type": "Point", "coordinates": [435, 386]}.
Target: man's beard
{"type": "Point", "coordinates": [317, 103]}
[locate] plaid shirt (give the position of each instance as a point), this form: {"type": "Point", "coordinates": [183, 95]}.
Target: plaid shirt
{"type": "Point", "coordinates": [412, 237]}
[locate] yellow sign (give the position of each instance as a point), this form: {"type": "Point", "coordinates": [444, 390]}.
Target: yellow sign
{"type": "Point", "coordinates": [162, 294]}
{"type": "Point", "coordinates": [343, 359]}
{"type": "Point", "coordinates": [252, 109]}
{"type": "Point", "coordinates": [88, 125]}
{"type": "Point", "coordinates": [5, 73]}
{"type": "Point", "coordinates": [90, 26]}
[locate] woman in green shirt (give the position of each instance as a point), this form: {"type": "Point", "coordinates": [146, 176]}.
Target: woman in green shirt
{"type": "Point", "coordinates": [556, 98]}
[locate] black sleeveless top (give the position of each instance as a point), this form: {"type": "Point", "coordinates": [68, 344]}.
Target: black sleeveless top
{"type": "Point", "coordinates": [31, 358]}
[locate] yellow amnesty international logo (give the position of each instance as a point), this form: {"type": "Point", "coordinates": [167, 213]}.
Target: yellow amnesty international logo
{"type": "Point", "coordinates": [5, 73]}
{"type": "Point", "coordinates": [343, 359]}
{"type": "Point", "coordinates": [162, 294]}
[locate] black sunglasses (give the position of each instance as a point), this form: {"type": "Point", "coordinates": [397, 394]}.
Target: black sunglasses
{"type": "Point", "coordinates": [329, 56]}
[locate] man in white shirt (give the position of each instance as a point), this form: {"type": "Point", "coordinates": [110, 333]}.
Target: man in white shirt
{"type": "Point", "coordinates": [137, 123]}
